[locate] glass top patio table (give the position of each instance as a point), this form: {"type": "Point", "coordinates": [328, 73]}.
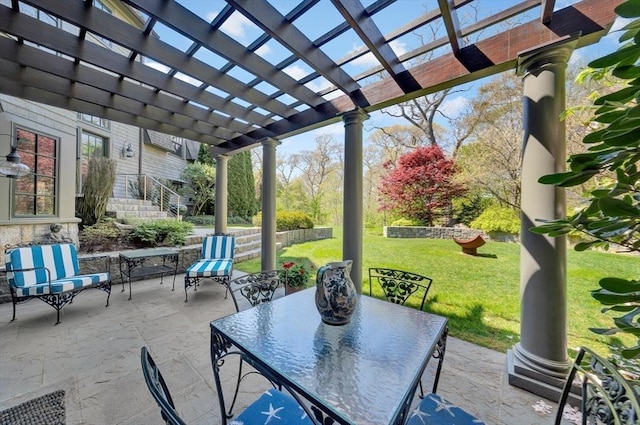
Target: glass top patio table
{"type": "Point", "coordinates": [365, 372]}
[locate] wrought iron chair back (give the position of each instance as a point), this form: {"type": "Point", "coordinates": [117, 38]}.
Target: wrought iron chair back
{"type": "Point", "coordinates": [398, 286]}
{"type": "Point", "coordinates": [291, 408]}
{"type": "Point", "coordinates": [158, 388]}
{"type": "Point", "coordinates": [254, 288]}
{"type": "Point", "coordinates": [607, 397]}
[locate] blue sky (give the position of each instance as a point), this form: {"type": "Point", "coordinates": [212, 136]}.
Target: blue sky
{"type": "Point", "coordinates": [320, 19]}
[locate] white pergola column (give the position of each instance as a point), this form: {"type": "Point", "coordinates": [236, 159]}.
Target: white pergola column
{"type": "Point", "coordinates": [221, 194]}
{"type": "Point", "coordinates": [352, 214]}
{"type": "Point", "coordinates": [539, 362]}
{"type": "Point", "coordinates": [268, 253]}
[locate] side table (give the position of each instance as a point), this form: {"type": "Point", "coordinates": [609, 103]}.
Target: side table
{"type": "Point", "coordinates": [135, 264]}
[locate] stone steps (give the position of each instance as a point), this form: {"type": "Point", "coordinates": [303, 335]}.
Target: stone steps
{"type": "Point", "coordinates": [134, 210]}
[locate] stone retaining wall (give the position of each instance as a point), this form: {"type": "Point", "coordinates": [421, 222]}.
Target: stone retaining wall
{"type": "Point", "coordinates": [432, 232]}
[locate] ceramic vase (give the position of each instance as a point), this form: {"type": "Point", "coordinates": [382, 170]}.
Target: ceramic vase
{"type": "Point", "coordinates": [336, 296]}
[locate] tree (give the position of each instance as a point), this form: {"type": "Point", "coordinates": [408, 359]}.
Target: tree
{"type": "Point", "coordinates": [241, 186]}
{"type": "Point", "coordinates": [315, 166]}
{"type": "Point", "coordinates": [421, 186]}
{"type": "Point", "coordinates": [612, 213]}
{"type": "Point", "coordinates": [201, 180]}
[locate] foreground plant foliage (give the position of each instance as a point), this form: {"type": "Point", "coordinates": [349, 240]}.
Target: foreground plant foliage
{"type": "Point", "coordinates": [612, 215]}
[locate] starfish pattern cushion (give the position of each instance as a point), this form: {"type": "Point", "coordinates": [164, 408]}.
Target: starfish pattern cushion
{"type": "Point", "coordinates": [436, 410]}
{"type": "Point", "coordinates": [273, 407]}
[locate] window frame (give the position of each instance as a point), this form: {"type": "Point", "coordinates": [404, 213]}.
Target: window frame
{"type": "Point", "coordinates": [34, 175]}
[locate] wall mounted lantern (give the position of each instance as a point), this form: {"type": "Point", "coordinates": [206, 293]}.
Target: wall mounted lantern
{"type": "Point", "coordinates": [127, 150]}
{"type": "Point", "coordinates": [13, 167]}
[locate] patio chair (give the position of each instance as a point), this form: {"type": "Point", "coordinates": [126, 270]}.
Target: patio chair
{"type": "Point", "coordinates": [216, 262]}
{"type": "Point", "coordinates": [398, 286]}
{"type": "Point", "coordinates": [289, 407]}
{"type": "Point", "coordinates": [607, 397]}
{"type": "Point", "coordinates": [248, 291]}
{"type": "Point", "coordinates": [158, 388]}
{"type": "Point", "coordinates": [254, 288]}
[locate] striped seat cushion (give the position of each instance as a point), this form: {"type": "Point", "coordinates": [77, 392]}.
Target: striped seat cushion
{"type": "Point", "coordinates": [63, 285]}
{"type": "Point", "coordinates": [210, 268]}
{"type": "Point", "coordinates": [218, 247]}
{"type": "Point", "coordinates": [60, 260]}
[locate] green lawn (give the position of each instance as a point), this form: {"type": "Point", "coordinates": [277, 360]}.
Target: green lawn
{"type": "Point", "coordinates": [479, 295]}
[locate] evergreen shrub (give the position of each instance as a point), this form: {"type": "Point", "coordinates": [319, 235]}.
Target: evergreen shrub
{"type": "Point", "coordinates": [498, 219]}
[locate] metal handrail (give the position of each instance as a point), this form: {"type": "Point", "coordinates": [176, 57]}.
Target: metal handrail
{"type": "Point", "coordinates": [162, 198]}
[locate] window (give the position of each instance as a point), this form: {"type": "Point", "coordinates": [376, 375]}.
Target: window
{"type": "Point", "coordinates": [36, 193]}
{"type": "Point", "coordinates": [178, 145]}
{"type": "Point", "coordinates": [91, 146]}
{"type": "Point", "coordinates": [102, 122]}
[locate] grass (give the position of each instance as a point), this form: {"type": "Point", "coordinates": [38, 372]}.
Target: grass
{"type": "Point", "coordinates": [480, 295]}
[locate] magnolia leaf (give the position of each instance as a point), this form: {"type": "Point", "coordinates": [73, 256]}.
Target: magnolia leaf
{"type": "Point", "coordinates": [619, 308]}
{"type": "Point", "coordinates": [631, 353]}
{"type": "Point", "coordinates": [615, 284]}
{"type": "Point", "coordinates": [622, 95]}
{"type": "Point", "coordinates": [616, 57]}
{"type": "Point", "coordinates": [594, 137]}
{"type": "Point", "coordinates": [583, 246]}
{"type": "Point", "coordinates": [609, 298]}
{"type": "Point", "coordinates": [626, 72]}
{"type": "Point", "coordinates": [602, 331]}
{"type": "Point", "coordinates": [624, 138]}
{"type": "Point", "coordinates": [616, 208]}
{"type": "Point", "coordinates": [628, 9]}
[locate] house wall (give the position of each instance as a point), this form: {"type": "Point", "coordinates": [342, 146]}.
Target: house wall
{"type": "Point", "coordinates": [54, 122]}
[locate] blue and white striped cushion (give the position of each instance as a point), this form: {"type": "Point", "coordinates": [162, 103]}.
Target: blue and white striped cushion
{"type": "Point", "coordinates": [61, 260]}
{"type": "Point", "coordinates": [216, 247]}
{"type": "Point", "coordinates": [273, 407]}
{"type": "Point", "coordinates": [433, 409]}
{"type": "Point", "coordinates": [209, 268]}
{"type": "Point", "coordinates": [63, 285]}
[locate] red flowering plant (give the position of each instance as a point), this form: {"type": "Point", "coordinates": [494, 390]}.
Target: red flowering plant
{"type": "Point", "coordinates": [295, 275]}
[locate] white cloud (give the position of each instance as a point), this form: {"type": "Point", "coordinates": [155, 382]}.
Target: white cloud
{"type": "Point", "coordinates": [453, 107]}
{"type": "Point", "coordinates": [263, 50]}
{"type": "Point", "coordinates": [236, 25]}
{"type": "Point", "coordinates": [296, 72]}
{"type": "Point", "coordinates": [369, 60]}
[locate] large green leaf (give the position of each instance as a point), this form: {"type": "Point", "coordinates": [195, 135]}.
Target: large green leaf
{"type": "Point", "coordinates": [621, 55]}
{"type": "Point", "coordinates": [609, 298]}
{"type": "Point", "coordinates": [616, 284]}
{"type": "Point", "coordinates": [628, 9]}
{"type": "Point", "coordinates": [616, 208]}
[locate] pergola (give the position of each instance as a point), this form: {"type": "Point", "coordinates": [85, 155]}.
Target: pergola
{"type": "Point", "coordinates": [63, 66]}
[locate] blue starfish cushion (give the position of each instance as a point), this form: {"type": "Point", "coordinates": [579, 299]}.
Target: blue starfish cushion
{"type": "Point", "coordinates": [273, 407]}
{"type": "Point", "coordinates": [436, 410]}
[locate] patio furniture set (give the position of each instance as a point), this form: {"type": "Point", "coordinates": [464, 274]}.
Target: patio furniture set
{"type": "Point", "coordinates": [51, 273]}
{"type": "Point", "coordinates": [367, 371]}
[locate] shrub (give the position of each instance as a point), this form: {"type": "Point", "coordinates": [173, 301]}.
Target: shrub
{"type": "Point", "coordinates": [498, 219]}
{"type": "Point", "coordinates": [287, 220]}
{"type": "Point", "coordinates": [201, 220]}
{"type": "Point", "coordinates": [161, 232]}
{"type": "Point", "coordinates": [405, 222]}
{"type": "Point", "coordinates": [97, 188]}
{"type": "Point", "coordinates": [104, 234]}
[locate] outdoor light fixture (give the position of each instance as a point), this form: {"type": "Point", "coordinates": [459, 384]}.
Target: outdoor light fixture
{"type": "Point", "coordinates": [13, 167]}
{"type": "Point", "coordinates": [127, 151]}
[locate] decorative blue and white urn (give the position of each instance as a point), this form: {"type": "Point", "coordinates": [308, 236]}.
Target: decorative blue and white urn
{"type": "Point", "coordinates": [336, 295]}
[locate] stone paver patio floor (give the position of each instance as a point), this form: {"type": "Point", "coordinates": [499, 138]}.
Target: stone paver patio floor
{"type": "Point", "coordinates": [94, 355]}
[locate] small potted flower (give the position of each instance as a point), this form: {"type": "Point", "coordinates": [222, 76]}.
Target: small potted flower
{"type": "Point", "coordinates": [295, 276]}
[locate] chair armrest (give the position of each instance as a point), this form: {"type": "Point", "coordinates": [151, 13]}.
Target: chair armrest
{"type": "Point", "coordinates": [92, 259]}
{"type": "Point", "coordinates": [30, 269]}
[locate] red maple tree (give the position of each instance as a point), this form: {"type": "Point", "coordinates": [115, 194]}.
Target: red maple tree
{"type": "Point", "coordinates": [421, 186]}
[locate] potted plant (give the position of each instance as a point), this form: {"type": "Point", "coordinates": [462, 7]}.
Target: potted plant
{"type": "Point", "coordinates": [295, 277]}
